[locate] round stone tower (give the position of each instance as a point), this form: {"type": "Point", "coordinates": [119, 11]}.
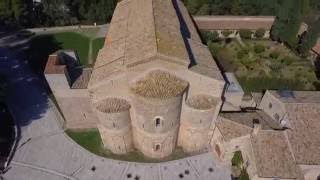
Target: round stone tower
{"type": "Point", "coordinates": [115, 125]}
{"type": "Point", "coordinates": [157, 100]}
{"type": "Point", "coordinates": [198, 114]}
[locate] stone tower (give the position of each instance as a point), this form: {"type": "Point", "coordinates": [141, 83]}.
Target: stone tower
{"type": "Point", "coordinates": [155, 85]}
{"type": "Point", "coordinates": [115, 124]}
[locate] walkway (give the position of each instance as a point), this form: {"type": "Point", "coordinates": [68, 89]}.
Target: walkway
{"type": "Point", "coordinates": [45, 152]}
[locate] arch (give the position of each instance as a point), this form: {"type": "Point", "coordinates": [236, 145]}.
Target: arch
{"type": "Point", "coordinates": [158, 121]}
{"type": "Point", "coordinates": [157, 147]}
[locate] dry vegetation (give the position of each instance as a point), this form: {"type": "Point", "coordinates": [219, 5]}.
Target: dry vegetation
{"type": "Point", "coordinates": [159, 84]}
{"type": "Point", "coordinates": [113, 105]}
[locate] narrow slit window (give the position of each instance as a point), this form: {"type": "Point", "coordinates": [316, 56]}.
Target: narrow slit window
{"type": "Point", "coordinates": [157, 147]}
{"type": "Point", "coordinates": [158, 122]}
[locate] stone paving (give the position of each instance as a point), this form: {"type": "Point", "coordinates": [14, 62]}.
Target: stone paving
{"type": "Point", "coordinates": [53, 155]}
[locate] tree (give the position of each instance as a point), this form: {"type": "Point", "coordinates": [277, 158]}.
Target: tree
{"type": "Point", "coordinates": [260, 33]}
{"type": "Point", "coordinates": [310, 38]}
{"type": "Point", "coordinates": [245, 33]}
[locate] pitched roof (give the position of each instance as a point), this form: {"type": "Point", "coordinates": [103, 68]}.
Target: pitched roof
{"type": "Point", "coordinates": [272, 155]}
{"type": "Point", "coordinates": [316, 48]}
{"type": "Point", "coordinates": [147, 30]}
{"type": "Point", "coordinates": [234, 22]}
{"type": "Point", "coordinates": [231, 129]}
{"type": "Point", "coordinates": [297, 96]}
{"type": "Point", "coordinates": [304, 133]}
{"type": "Point", "coordinates": [303, 112]}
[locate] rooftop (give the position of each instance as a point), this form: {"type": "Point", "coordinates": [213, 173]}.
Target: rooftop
{"type": "Point", "coordinates": [231, 129]}
{"type": "Point", "coordinates": [159, 84]}
{"type": "Point", "coordinates": [297, 96]}
{"type": "Point", "coordinates": [304, 132]}
{"type": "Point", "coordinates": [148, 30]}
{"type": "Point", "coordinates": [234, 22]}
{"type": "Point", "coordinates": [272, 155]}
{"type": "Point", "coordinates": [113, 105]}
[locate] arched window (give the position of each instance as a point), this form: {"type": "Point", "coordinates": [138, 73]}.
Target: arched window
{"type": "Point", "coordinates": [157, 121]}
{"type": "Point", "coordinates": [157, 147]}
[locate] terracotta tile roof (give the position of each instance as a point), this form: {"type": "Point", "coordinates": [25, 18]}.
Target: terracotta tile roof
{"type": "Point", "coordinates": [234, 22]}
{"type": "Point", "coordinates": [231, 129]}
{"type": "Point", "coordinates": [248, 118]}
{"type": "Point", "coordinates": [53, 65]}
{"type": "Point", "coordinates": [148, 30]}
{"type": "Point", "coordinates": [316, 48]}
{"type": "Point", "coordinates": [80, 79]}
{"type": "Point", "coordinates": [297, 96]}
{"type": "Point", "coordinates": [304, 133]}
{"type": "Point", "coordinates": [272, 155]}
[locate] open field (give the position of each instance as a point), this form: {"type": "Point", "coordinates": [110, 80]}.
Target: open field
{"type": "Point", "coordinates": [264, 64]}
{"type": "Point", "coordinates": [91, 140]}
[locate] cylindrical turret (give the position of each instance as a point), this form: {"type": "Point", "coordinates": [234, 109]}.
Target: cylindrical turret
{"type": "Point", "coordinates": [115, 125]}
{"type": "Point", "coordinates": [157, 103]}
{"type": "Point", "coordinates": [196, 118]}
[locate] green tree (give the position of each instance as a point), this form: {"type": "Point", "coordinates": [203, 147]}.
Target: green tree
{"type": "Point", "coordinates": [245, 33]}
{"type": "Point", "coordinates": [260, 33]}
{"type": "Point", "coordinates": [310, 38]}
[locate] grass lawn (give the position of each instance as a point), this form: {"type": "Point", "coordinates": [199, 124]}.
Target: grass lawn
{"type": "Point", "coordinates": [97, 44]}
{"type": "Point", "coordinates": [91, 140]}
{"type": "Point", "coordinates": [41, 46]}
{"type": "Point", "coordinates": [264, 64]}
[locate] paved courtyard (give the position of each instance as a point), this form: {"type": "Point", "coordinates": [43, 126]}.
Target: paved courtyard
{"type": "Point", "coordinates": [44, 152]}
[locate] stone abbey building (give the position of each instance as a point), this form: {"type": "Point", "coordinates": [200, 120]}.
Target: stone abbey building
{"type": "Point", "coordinates": [154, 84]}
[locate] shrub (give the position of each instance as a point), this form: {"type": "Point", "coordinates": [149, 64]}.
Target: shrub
{"type": "Point", "coordinates": [260, 33]}
{"type": "Point", "coordinates": [226, 33]}
{"type": "Point", "coordinates": [237, 159]}
{"type": "Point", "coordinates": [242, 53]}
{"type": "Point", "coordinates": [245, 33]}
{"type": "Point", "coordinates": [259, 48]}
{"type": "Point", "coordinates": [244, 175]}
{"type": "Point", "coordinates": [209, 36]}
{"type": "Point", "coordinates": [287, 60]}
{"type": "Point", "coordinates": [274, 54]}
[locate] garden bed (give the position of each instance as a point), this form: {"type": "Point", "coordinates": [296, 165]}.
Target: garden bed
{"type": "Point", "coordinates": [264, 64]}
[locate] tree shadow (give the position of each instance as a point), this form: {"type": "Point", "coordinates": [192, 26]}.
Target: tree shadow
{"type": "Point", "coordinates": [40, 47]}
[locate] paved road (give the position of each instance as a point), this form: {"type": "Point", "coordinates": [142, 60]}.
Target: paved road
{"type": "Point", "coordinates": [45, 152]}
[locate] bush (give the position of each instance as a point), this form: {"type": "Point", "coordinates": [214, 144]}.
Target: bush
{"type": "Point", "coordinates": [242, 53]}
{"type": "Point", "coordinates": [226, 33]}
{"type": "Point", "coordinates": [209, 36]}
{"type": "Point", "coordinates": [245, 33]}
{"type": "Point", "coordinates": [274, 54]}
{"type": "Point", "coordinates": [258, 84]}
{"type": "Point", "coordinates": [237, 159]}
{"type": "Point", "coordinates": [260, 33]}
{"type": "Point", "coordinates": [287, 60]}
{"type": "Point", "coordinates": [259, 48]}
{"type": "Point", "coordinates": [244, 175]}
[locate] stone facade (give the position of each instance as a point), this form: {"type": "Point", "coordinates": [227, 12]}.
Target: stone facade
{"type": "Point", "coordinates": [73, 102]}
{"type": "Point", "coordinates": [159, 70]}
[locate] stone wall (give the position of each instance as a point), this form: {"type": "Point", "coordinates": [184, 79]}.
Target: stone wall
{"type": "Point", "coordinates": [194, 134]}
{"type": "Point", "coordinates": [156, 124]}
{"type": "Point", "coordinates": [115, 128]}
{"type": "Point", "coordinates": [273, 107]}
{"type": "Point", "coordinates": [74, 103]}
